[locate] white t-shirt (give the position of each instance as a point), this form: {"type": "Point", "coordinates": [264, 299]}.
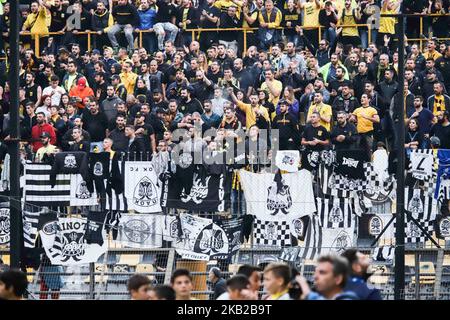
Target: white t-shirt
{"type": "Point", "coordinates": [54, 93]}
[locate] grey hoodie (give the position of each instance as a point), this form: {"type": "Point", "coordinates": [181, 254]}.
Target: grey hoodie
{"type": "Point", "coordinates": [109, 107]}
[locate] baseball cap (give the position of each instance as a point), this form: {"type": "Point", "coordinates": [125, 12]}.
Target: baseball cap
{"type": "Point", "coordinates": [115, 77]}
{"type": "Point", "coordinates": [63, 50]}
{"type": "Point", "coordinates": [45, 135]}
{"type": "Point", "coordinates": [95, 51]}
{"type": "Point", "coordinates": [108, 48]}
{"type": "Point", "coordinates": [156, 91]}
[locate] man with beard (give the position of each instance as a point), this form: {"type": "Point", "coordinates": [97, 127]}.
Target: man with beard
{"type": "Point", "coordinates": [361, 78]}
{"type": "Point", "coordinates": [423, 116]}
{"type": "Point", "coordinates": [315, 136]}
{"type": "Point", "coordinates": [96, 123]}
{"type": "Point", "coordinates": [41, 127]}
{"type": "Point", "coordinates": [47, 148]}
{"type": "Point", "coordinates": [344, 136]}
{"type": "Point", "coordinates": [442, 129]}
{"type": "Point", "coordinates": [203, 87]}
{"type": "Point", "coordinates": [59, 15]}
{"type": "Point", "coordinates": [120, 141]}
{"type": "Point", "coordinates": [335, 86]}
{"type": "Point", "coordinates": [289, 133]}
{"type": "Point", "coordinates": [145, 131]}
{"type": "Point", "coordinates": [209, 117]}
{"type": "Point", "coordinates": [109, 105]}
{"type": "Point", "coordinates": [189, 104]}
{"type": "Point", "coordinates": [158, 101]}
{"type": "Point", "coordinates": [357, 282]}
{"type": "Point", "coordinates": [413, 82]}
{"type": "Point", "coordinates": [329, 70]}
{"type": "Point", "coordinates": [345, 101]}
{"type": "Point", "coordinates": [443, 65]}
{"type": "Point", "coordinates": [100, 86]}
{"type": "Point", "coordinates": [254, 112]}
{"type": "Point", "coordinates": [324, 110]}
{"type": "Point", "coordinates": [136, 145]}
{"type": "Point", "coordinates": [33, 92]}
{"type": "Point", "coordinates": [439, 101]}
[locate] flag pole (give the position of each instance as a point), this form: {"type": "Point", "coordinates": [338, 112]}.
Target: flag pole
{"type": "Point", "coordinates": [399, 268]}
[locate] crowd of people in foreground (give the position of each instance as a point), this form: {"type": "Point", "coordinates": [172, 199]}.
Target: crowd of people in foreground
{"type": "Point", "coordinates": [335, 277]}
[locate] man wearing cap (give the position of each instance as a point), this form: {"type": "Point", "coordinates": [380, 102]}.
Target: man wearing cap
{"type": "Point", "coordinates": [218, 282]}
{"type": "Point", "coordinates": [47, 148]}
{"type": "Point", "coordinates": [430, 80]}
{"type": "Point", "coordinates": [108, 58]}
{"type": "Point", "coordinates": [81, 91]}
{"type": "Point", "coordinates": [119, 88]}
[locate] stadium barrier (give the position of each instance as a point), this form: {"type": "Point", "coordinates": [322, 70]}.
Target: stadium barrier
{"type": "Point", "coordinates": [243, 30]}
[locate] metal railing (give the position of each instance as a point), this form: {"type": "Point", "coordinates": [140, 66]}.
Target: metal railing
{"type": "Point", "coordinates": [244, 30]}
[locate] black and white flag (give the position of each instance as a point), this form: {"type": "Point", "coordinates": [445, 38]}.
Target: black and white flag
{"type": "Point", "coordinates": [140, 230]}
{"type": "Point", "coordinates": [337, 240]}
{"type": "Point", "coordinates": [271, 233]}
{"type": "Point", "coordinates": [30, 226]}
{"type": "Point", "coordinates": [299, 226]}
{"type": "Point", "coordinates": [288, 160]}
{"type": "Point", "coordinates": [384, 254]}
{"type": "Point", "coordinates": [69, 246]}
{"type": "Point", "coordinates": [195, 240]}
{"type": "Point", "coordinates": [413, 234]}
{"type": "Point", "coordinates": [312, 246]}
{"type": "Point", "coordinates": [327, 183]}
{"type": "Point", "coordinates": [170, 227]}
{"type": "Point", "coordinates": [5, 235]}
{"type": "Point", "coordinates": [226, 238]}
{"type": "Point", "coordinates": [442, 227]}
{"type": "Point", "coordinates": [371, 225]}
{"type": "Point", "coordinates": [38, 189]}
{"type": "Point", "coordinates": [274, 197]}
{"type": "Point", "coordinates": [350, 164]}
{"type": "Point", "coordinates": [79, 193]}
{"type": "Point", "coordinates": [420, 205]}
{"type": "Point", "coordinates": [335, 213]}
{"type": "Point", "coordinates": [47, 227]}
{"type": "Point", "coordinates": [95, 227]}
{"type": "Point", "coordinates": [142, 187]}
{"type": "Point", "coordinates": [422, 164]}
{"type": "Point", "coordinates": [290, 254]}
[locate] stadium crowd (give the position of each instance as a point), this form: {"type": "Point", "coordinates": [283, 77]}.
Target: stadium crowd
{"type": "Point", "coordinates": [335, 278]}
{"type": "Point", "coordinates": [333, 90]}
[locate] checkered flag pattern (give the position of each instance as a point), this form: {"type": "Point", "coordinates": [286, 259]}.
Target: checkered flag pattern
{"type": "Point", "coordinates": [271, 233]}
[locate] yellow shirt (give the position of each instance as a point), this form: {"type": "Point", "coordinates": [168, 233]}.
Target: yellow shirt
{"type": "Point", "coordinates": [363, 124]}
{"type": "Point", "coordinates": [43, 150]}
{"type": "Point", "coordinates": [387, 24]}
{"type": "Point", "coordinates": [224, 4]}
{"type": "Point", "coordinates": [349, 19]}
{"type": "Point", "coordinates": [250, 115]}
{"type": "Point", "coordinates": [278, 85]}
{"type": "Point", "coordinates": [435, 54]}
{"type": "Point", "coordinates": [38, 23]}
{"type": "Point", "coordinates": [129, 80]}
{"type": "Point", "coordinates": [439, 105]}
{"type": "Point", "coordinates": [324, 110]}
{"type": "Point", "coordinates": [310, 14]}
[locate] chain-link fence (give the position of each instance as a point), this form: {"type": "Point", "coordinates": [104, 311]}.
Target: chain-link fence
{"type": "Point", "coordinates": [427, 273]}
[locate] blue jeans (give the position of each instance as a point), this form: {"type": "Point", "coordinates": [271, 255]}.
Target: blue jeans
{"type": "Point", "coordinates": [363, 34]}
{"type": "Point", "coordinates": [330, 35]}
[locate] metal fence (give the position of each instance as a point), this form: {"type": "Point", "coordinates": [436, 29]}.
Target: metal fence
{"type": "Point", "coordinates": [427, 273]}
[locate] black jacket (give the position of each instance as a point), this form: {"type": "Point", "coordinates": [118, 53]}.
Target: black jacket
{"type": "Point", "coordinates": [126, 14]}
{"type": "Point", "coordinates": [350, 133]}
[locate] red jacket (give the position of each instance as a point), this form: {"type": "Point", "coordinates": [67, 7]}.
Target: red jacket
{"type": "Point", "coordinates": [36, 132]}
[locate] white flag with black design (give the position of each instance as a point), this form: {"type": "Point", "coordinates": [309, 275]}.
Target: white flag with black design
{"type": "Point", "coordinates": [442, 227]}
{"type": "Point", "coordinates": [274, 197]}
{"type": "Point", "coordinates": [288, 160]}
{"type": "Point", "coordinates": [79, 193]}
{"type": "Point", "coordinates": [195, 240]}
{"type": "Point", "coordinates": [69, 246]}
{"type": "Point", "coordinates": [38, 186]}
{"type": "Point", "coordinates": [142, 187]}
{"type": "Point", "coordinates": [140, 231]}
{"type": "Point", "coordinates": [170, 226]}
{"type": "Point", "coordinates": [422, 164]}
{"type": "Point", "coordinates": [413, 234]}
{"type": "Point", "coordinates": [371, 225]}
{"type": "Point", "coordinates": [5, 235]}
{"type": "Point", "coordinates": [335, 213]}
{"type": "Point", "coordinates": [337, 240]}
{"type": "Point", "coordinates": [420, 205]}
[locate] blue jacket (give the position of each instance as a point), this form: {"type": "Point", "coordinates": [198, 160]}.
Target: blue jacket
{"type": "Point", "coordinates": [147, 17]}
{"type": "Point", "coordinates": [362, 290]}
{"type": "Point", "coordinates": [345, 295]}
